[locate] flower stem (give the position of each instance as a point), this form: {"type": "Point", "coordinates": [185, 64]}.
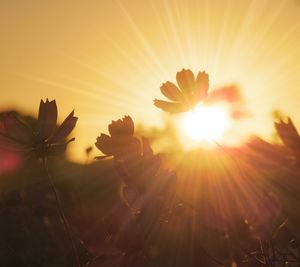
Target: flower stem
{"type": "Point", "coordinates": [61, 213]}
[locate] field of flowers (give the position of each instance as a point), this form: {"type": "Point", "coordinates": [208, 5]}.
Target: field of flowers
{"type": "Point", "coordinates": [131, 207]}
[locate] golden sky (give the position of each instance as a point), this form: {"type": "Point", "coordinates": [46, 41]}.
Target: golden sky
{"type": "Point", "coordinates": [108, 58]}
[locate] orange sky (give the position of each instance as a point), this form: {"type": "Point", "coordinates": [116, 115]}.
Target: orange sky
{"type": "Point", "coordinates": [109, 58]}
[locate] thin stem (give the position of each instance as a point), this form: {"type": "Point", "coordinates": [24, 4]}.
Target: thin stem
{"type": "Point", "coordinates": [61, 213]}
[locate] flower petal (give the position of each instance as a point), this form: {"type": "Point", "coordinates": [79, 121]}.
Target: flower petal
{"type": "Point", "coordinates": [130, 148]}
{"type": "Point", "coordinates": [65, 128]}
{"type": "Point", "coordinates": [42, 114]}
{"type": "Point", "coordinates": [122, 127]}
{"type": "Point", "coordinates": [104, 144]}
{"type": "Point", "coordinates": [288, 134]}
{"type": "Point", "coordinates": [17, 129]}
{"type": "Point", "coordinates": [125, 147]}
{"type": "Point", "coordinates": [128, 125]}
{"type": "Point", "coordinates": [47, 118]}
{"type": "Point", "coordinates": [202, 84]}
{"type": "Point", "coordinates": [171, 91]}
{"type": "Point", "coordinates": [171, 107]}
{"type": "Point", "coordinates": [186, 81]}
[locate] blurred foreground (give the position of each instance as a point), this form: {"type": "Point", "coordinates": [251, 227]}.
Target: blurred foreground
{"type": "Point", "coordinates": [227, 207]}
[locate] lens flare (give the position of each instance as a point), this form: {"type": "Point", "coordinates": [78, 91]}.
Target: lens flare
{"type": "Point", "coordinates": [206, 123]}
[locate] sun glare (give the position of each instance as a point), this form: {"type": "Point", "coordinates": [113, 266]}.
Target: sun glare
{"type": "Point", "coordinates": [206, 123]}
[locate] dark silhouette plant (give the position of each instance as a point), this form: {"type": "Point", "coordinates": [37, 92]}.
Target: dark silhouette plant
{"type": "Point", "coordinates": [146, 190]}
{"type": "Point", "coordinates": [47, 140]}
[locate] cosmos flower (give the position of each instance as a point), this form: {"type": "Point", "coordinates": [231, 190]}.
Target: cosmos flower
{"type": "Point", "coordinates": [191, 91]}
{"type": "Point", "coordinates": [47, 140]}
{"type": "Point", "coordinates": [121, 143]}
{"type": "Point", "coordinates": [135, 161]}
{"type": "Point", "coordinates": [141, 169]}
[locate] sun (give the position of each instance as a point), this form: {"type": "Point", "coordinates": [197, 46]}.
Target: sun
{"type": "Point", "coordinates": [206, 123]}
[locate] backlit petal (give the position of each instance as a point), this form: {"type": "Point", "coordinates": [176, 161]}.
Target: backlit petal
{"type": "Point", "coordinates": [65, 129]}
{"type": "Point", "coordinates": [104, 144]}
{"type": "Point", "coordinates": [171, 107]}
{"type": "Point", "coordinates": [47, 118]}
{"type": "Point", "coordinates": [125, 147]}
{"type": "Point", "coordinates": [186, 81]}
{"type": "Point", "coordinates": [129, 148]}
{"type": "Point", "coordinates": [122, 127]}
{"type": "Point", "coordinates": [171, 91]}
{"type": "Point", "coordinates": [202, 84]}
{"type": "Point", "coordinates": [128, 125]}
{"type": "Point", "coordinates": [42, 114]}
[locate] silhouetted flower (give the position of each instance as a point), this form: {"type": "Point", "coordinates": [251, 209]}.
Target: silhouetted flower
{"type": "Point", "coordinates": [288, 134]}
{"type": "Point", "coordinates": [47, 140]}
{"type": "Point", "coordinates": [121, 143]}
{"type": "Point", "coordinates": [135, 161]}
{"type": "Point", "coordinates": [191, 91]}
{"type": "Point", "coordinates": [141, 169]}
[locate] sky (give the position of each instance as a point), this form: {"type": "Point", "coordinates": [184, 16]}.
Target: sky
{"type": "Point", "coordinates": [108, 59]}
